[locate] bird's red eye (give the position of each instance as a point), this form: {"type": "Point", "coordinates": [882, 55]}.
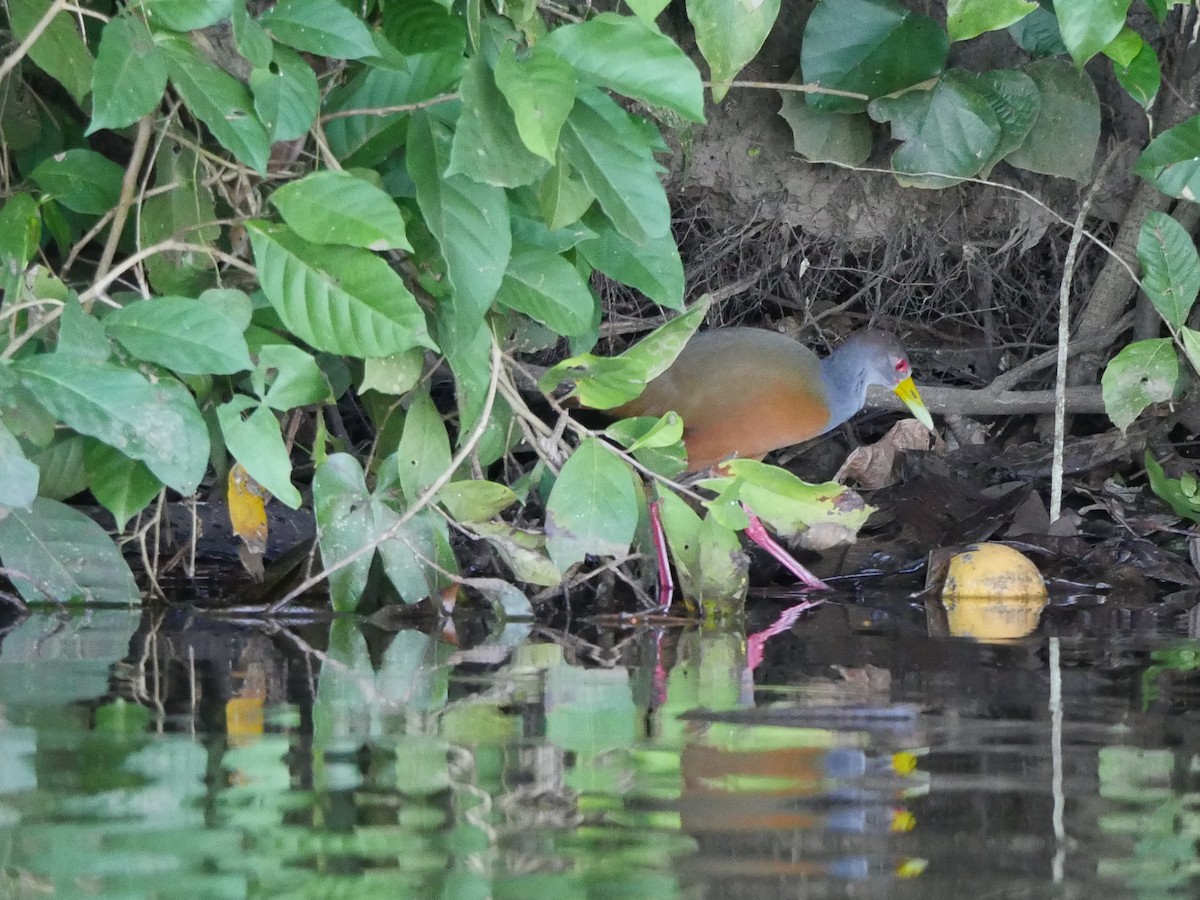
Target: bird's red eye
{"type": "Point", "coordinates": [901, 366]}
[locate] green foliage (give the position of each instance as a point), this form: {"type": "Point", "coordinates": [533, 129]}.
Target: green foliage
{"type": "Point", "coordinates": [1182, 494]}
{"type": "Point", "coordinates": [473, 169]}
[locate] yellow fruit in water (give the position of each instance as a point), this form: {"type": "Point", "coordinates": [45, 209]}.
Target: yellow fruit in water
{"type": "Point", "coordinates": [992, 592]}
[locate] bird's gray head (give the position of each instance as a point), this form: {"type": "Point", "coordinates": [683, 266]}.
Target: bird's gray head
{"type": "Point", "coordinates": [878, 355]}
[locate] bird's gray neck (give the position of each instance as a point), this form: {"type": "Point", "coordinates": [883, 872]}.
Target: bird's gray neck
{"type": "Point", "coordinates": [845, 385]}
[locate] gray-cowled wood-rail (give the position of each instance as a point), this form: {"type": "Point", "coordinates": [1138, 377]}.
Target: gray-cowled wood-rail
{"type": "Point", "coordinates": [746, 392]}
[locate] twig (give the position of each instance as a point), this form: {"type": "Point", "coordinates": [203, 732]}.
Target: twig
{"type": "Point", "coordinates": [128, 188]}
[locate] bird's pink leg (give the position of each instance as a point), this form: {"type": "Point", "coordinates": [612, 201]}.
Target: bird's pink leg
{"type": "Point", "coordinates": [758, 533]}
{"type": "Point", "coordinates": [666, 585]}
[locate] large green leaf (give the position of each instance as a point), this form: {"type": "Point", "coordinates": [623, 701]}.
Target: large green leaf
{"type": "Point", "coordinates": [344, 525]}
{"type": "Point", "coordinates": [337, 208]}
{"type": "Point", "coordinates": [1170, 267]}
{"type": "Point", "coordinates": [949, 133]}
{"type": "Point", "coordinates": [59, 51]}
{"type": "Point", "coordinates": [220, 101]}
{"type": "Point", "coordinates": [184, 212]}
{"type": "Point", "coordinates": [156, 423]}
{"type": "Point", "coordinates": [286, 95]}
{"type": "Point", "coordinates": [184, 335]}
{"type": "Point", "coordinates": [470, 360]}
{"type": "Point", "coordinates": [1142, 373]}
{"type": "Point", "coordinates": [651, 266]}
{"type": "Point", "coordinates": [616, 162]}
{"type": "Point", "coordinates": [592, 508]}
{"type": "Point", "coordinates": [540, 89]}
{"type": "Point", "coordinates": [344, 300]}
{"type": "Point", "coordinates": [469, 220]}
{"type": "Point", "coordinates": [1141, 76]}
{"type": "Point", "coordinates": [18, 476]}
{"type": "Point", "coordinates": [549, 290]}
{"type": "Point", "coordinates": [257, 443]}
{"type": "Point", "coordinates": [821, 136]}
{"type": "Point", "coordinates": [130, 74]}
{"type": "Point", "coordinates": [966, 19]}
{"type": "Point", "coordinates": [487, 145]}
{"type": "Point", "coordinates": [423, 26]}
{"type": "Point", "coordinates": [729, 35]}
{"type": "Point", "coordinates": [368, 139]}
{"type": "Point", "coordinates": [81, 335]}
{"type": "Point", "coordinates": [633, 58]}
{"type": "Point", "coordinates": [1014, 98]}
{"type": "Point", "coordinates": [1066, 132]}
{"type": "Point", "coordinates": [1037, 33]}
{"type": "Point", "coordinates": [1181, 494]}
{"type": "Point", "coordinates": [1088, 26]}
{"type": "Point", "coordinates": [321, 27]}
{"type": "Point", "coordinates": [788, 504]}
{"type": "Point", "coordinates": [424, 452]}
{"type": "Point", "coordinates": [1172, 161]}
{"type": "Point", "coordinates": [872, 47]}
{"type": "Point", "coordinates": [62, 471]}
{"type": "Point", "coordinates": [122, 485]}
{"type": "Point", "coordinates": [66, 555]}
{"type": "Point", "coordinates": [81, 180]}
{"type": "Point", "coordinates": [286, 377]}
{"type": "Point", "coordinates": [184, 15]}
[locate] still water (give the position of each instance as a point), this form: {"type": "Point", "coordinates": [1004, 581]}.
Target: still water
{"type": "Point", "coordinates": [173, 754]}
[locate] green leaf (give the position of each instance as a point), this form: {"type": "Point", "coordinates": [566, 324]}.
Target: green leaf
{"type": "Point", "coordinates": [257, 443]}
{"type": "Point", "coordinates": [369, 139]}
{"type": "Point", "coordinates": [657, 350]}
{"type": "Point", "coordinates": [469, 220]}
{"type": "Point", "coordinates": [872, 47]}
{"type": "Point", "coordinates": [344, 526]}
{"type": "Point", "coordinates": [651, 266]}
{"type": "Point", "coordinates": [286, 96]}
{"type": "Point", "coordinates": [949, 133]}
{"type": "Point", "coordinates": [220, 101]}
{"type": "Point", "coordinates": [647, 432]}
{"type": "Point", "coordinates": [563, 198]}
{"type": "Point", "coordinates": [81, 335]}
{"type": "Point", "coordinates": [61, 467]}
{"type": "Point", "coordinates": [18, 476]}
{"type": "Point", "coordinates": [1015, 100]}
{"type": "Point", "coordinates": [122, 485]}
{"type": "Point", "coordinates": [343, 300]}
{"type": "Point", "coordinates": [475, 501]}
{"type": "Point", "coordinates": [613, 158]}
{"type": "Point", "coordinates": [156, 423]}
{"type": "Point", "coordinates": [540, 89]}
{"type": "Point", "coordinates": [729, 35]}
{"type": "Point", "coordinates": [81, 180]}
{"type": "Point", "coordinates": [184, 15]}
{"type": "Point", "coordinates": [1191, 346]}
{"type": "Point", "coordinates": [407, 556]}
{"type": "Point", "coordinates": [821, 136]}
{"type": "Point", "coordinates": [1172, 161]}
{"type": "Point", "coordinates": [487, 146]}
{"type": "Point", "coordinates": [187, 336]}
{"type": "Point", "coordinates": [647, 10]}
{"type": "Point", "coordinates": [1171, 491]}
{"type": "Point", "coordinates": [470, 361]}
{"type": "Point", "coordinates": [1088, 26]}
{"type": "Point", "coordinates": [966, 19]}
{"type": "Point", "coordinates": [1142, 76]}
{"type": "Point", "coordinates": [423, 26]}
{"type": "Point", "coordinates": [185, 212]}
{"type": "Point", "coordinates": [523, 552]}
{"type": "Point", "coordinates": [1038, 35]}
{"type": "Point", "coordinates": [20, 232]}
{"type": "Point", "coordinates": [337, 208]}
{"type": "Point", "coordinates": [424, 452]}
{"type": "Point", "coordinates": [59, 51]}
{"type": "Point", "coordinates": [1124, 47]}
{"type": "Point", "coordinates": [396, 374]}
{"type": "Point", "coordinates": [788, 504]}
{"type": "Point", "coordinates": [549, 290]}
{"type": "Point", "coordinates": [286, 377]}
{"type": "Point", "coordinates": [250, 38]}
{"type": "Point", "coordinates": [1066, 132]}
{"type": "Point", "coordinates": [322, 27]}
{"type": "Point", "coordinates": [1170, 267]}
{"type": "Point", "coordinates": [68, 556]}
{"type": "Point", "coordinates": [1145, 372]}
{"type": "Point", "coordinates": [592, 508]}
{"type": "Point", "coordinates": [130, 74]}
{"type": "Point", "coordinates": [626, 55]}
